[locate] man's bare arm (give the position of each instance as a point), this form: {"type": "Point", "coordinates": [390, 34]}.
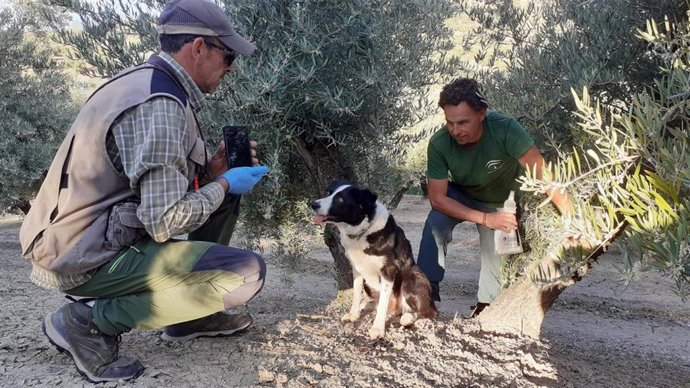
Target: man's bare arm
{"type": "Point", "coordinates": [438, 197]}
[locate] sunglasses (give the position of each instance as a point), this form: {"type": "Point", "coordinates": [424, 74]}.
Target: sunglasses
{"type": "Point", "coordinates": [229, 54]}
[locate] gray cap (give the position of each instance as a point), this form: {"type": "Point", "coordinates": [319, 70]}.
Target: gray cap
{"type": "Point", "coordinates": [201, 17]}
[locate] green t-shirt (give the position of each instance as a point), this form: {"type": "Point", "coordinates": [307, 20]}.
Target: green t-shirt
{"type": "Point", "coordinates": [486, 170]}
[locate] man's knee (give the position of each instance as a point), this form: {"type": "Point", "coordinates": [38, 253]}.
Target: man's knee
{"type": "Point", "coordinates": [258, 281]}
{"type": "Point", "coordinates": [440, 226]}
{"type": "Point", "coordinates": [239, 261]}
{"type": "Point", "coordinates": [257, 265]}
{"type": "Point", "coordinates": [436, 219]}
{"type": "Point", "coordinates": [254, 274]}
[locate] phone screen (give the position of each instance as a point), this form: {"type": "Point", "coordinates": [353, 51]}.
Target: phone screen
{"type": "Point", "coordinates": [237, 148]}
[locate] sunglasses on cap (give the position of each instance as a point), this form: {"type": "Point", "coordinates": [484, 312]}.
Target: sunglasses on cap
{"type": "Point", "coordinates": [229, 54]}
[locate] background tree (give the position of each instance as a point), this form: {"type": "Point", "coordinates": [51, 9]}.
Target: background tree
{"type": "Point", "coordinates": [530, 54]}
{"type": "Point", "coordinates": [622, 153]}
{"type": "Point", "coordinates": [328, 93]}
{"type": "Point", "coordinates": [35, 104]}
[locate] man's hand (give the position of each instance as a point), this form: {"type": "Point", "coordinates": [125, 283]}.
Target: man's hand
{"type": "Point", "coordinates": [241, 180]}
{"type": "Point", "coordinates": [506, 222]}
{"type": "Point", "coordinates": [219, 163]}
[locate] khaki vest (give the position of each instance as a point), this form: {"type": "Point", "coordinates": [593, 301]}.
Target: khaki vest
{"type": "Point", "coordinates": [63, 235]}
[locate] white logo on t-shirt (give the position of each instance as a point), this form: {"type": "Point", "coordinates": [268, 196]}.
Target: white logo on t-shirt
{"type": "Point", "coordinates": [494, 165]}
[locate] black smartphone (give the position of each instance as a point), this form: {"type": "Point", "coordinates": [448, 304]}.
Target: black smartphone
{"type": "Point", "coordinates": [237, 148]}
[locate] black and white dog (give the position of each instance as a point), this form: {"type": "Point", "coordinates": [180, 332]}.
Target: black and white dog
{"type": "Point", "coordinates": [380, 255]}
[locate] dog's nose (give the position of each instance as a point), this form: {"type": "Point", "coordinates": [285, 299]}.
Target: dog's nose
{"type": "Point", "coordinates": [315, 205]}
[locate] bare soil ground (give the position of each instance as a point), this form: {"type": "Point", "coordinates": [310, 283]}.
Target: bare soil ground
{"type": "Point", "coordinates": [597, 335]}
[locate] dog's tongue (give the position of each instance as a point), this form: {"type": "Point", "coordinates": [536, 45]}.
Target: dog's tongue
{"type": "Point", "coordinates": [319, 219]}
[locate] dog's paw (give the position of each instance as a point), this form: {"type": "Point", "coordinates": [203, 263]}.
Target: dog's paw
{"type": "Point", "coordinates": [349, 317]}
{"type": "Point", "coordinates": [407, 319]}
{"type": "Point", "coordinates": [376, 333]}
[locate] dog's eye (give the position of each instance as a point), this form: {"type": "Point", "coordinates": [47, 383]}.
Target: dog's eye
{"type": "Point", "coordinates": [339, 200]}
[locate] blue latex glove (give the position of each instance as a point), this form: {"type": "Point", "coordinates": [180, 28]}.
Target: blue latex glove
{"type": "Point", "coordinates": [243, 179]}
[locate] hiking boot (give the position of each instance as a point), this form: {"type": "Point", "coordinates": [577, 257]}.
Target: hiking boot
{"type": "Point", "coordinates": [210, 326]}
{"type": "Point", "coordinates": [478, 308]}
{"type": "Point", "coordinates": [72, 329]}
{"type": "Point", "coordinates": [435, 292]}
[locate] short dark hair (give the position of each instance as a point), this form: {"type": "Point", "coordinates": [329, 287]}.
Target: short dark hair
{"type": "Point", "coordinates": [173, 43]}
{"type": "Point", "coordinates": [463, 89]}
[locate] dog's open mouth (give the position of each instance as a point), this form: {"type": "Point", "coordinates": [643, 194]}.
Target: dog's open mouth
{"type": "Point", "coordinates": [320, 219]}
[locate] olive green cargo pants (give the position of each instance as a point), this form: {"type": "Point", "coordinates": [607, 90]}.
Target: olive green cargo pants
{"type": "Point", "coordinates": [150, 285]}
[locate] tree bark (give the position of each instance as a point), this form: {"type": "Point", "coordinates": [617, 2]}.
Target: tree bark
{"type": "Point", "coordinates": [398, 196]}
{"type": "Point", "coordinates": [343, 269]}
{"type": "Point", "coordinates": [312, 167]}
{"type": "Point", "coordinates": [424, 185]}
{"type": "Point", "coordinates": [521, 307]}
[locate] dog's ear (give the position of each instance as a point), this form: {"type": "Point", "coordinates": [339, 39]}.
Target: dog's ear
{"type": "Point", "coordinates": [367, 200]}
{"type": "Point", "coordinates": [369, 196]}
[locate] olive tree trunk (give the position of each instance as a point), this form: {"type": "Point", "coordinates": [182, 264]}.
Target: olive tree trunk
{"type": "Point", "coordinates": [521, 307]}
{"type": "Point", "coordinates": [343, 269]}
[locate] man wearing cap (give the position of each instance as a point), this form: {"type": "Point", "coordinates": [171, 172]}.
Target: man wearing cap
{"type": "Point", "coordinates": [132, 173]}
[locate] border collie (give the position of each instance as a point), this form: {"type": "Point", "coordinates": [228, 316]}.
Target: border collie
{"type": "Point", "coordinates": [380, 255]}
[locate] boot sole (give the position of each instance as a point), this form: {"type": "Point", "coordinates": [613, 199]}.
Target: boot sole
{"type": "Point", "coordinates": [63, 347]}
{"type": "Point", "coordinates": [188, 337]}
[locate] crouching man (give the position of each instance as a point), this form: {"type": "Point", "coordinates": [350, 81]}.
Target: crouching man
{"type": "Point", "coordinates": [132, 173]}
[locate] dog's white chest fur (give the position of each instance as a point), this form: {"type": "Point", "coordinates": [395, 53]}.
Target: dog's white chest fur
{"type": "Point", "coordinates": [368, 266]}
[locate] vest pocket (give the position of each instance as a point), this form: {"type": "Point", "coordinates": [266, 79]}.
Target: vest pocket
{"type": "Point", "coordinates": [124, 227]}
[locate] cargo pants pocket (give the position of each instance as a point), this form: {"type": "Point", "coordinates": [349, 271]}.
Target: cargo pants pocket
{"type": "Point", "coordinates": [124, 227]}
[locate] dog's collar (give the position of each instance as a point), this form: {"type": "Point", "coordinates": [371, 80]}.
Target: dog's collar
{"type": "Point", "coordinates": [359, 235]}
